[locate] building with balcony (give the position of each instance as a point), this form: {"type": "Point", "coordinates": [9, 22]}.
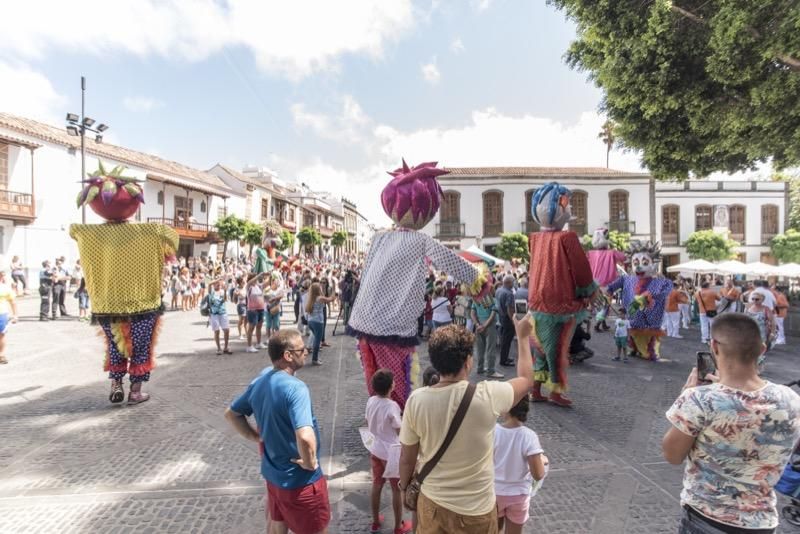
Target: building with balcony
{"type": "Point", "coordinates": [40, 171]}
{"type": "Point", "coordinates": [481, 203]}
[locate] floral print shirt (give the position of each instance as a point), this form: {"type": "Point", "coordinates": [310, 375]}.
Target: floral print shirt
{"type": "Point", "coordinates": [743, 441]}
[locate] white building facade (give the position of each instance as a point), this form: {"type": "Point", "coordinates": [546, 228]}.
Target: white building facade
{"type": "Point", "coordinates": [479, 204]}
{"type": "Point", "coordinates": [39, 183]}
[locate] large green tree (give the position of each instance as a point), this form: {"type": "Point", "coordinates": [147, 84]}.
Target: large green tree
{"type": "Point", "coordinates": [230, 228]}
{"type": "Point", "coordinates": [338, 239]}
{"type": "Point", "coordinates": [697, 85]}
{"type": "Point", "coordinates": [308, 236]}
{"type": "Point", "coordinates": [287, 241]}
{"type": "Point", "coordinates": [710, 246]}
{"type": "Point", "coordinates": [786, 247]}
{"type": "Point", "coordinates": [252, 234]}
{"type": "Point", "coordinates": [512, 245]}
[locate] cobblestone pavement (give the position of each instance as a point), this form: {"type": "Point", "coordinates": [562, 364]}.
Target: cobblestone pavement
{"type": "Point", "coordinates": [71, 462]}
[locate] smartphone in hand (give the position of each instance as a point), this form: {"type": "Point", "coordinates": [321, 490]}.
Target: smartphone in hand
{"type": "Point", "coordinates": [520, 308]}
{"type": "Point", "coordinates": [705, 365]}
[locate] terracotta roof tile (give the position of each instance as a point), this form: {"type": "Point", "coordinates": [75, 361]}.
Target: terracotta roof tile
{"type": "Point", "coordinates": [148, 162]}
{"type": "Point", "coordinates": [536, 171]}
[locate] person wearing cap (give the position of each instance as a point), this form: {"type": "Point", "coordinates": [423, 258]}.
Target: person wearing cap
{"type": "Point", "coordinates": [6, 303]}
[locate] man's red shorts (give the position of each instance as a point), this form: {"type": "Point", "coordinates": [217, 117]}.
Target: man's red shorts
{"type": "Point", "coordinates": [378, 468]}
{"type": "Point", "coordinates": [305, 510]}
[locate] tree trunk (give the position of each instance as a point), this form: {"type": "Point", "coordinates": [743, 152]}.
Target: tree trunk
{"type": "Point", "coordinates": [608, 152]}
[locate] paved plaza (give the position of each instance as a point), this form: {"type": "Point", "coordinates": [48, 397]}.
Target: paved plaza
{"type": "Point", "coordinates": [70, 462]}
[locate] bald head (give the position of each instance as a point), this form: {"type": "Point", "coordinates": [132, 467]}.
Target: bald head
{"type": "Point", "coordinates": [508, 280]}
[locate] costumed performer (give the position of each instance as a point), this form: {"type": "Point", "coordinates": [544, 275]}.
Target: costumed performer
{"type": "Point", "coordinates": [264, 257]}
{"type": "Point", "coordinates": [391, 293]}
{"type": "Point", "coordinates": [122, 265]}
{"type": "Point", "coordinates": [560, 287]}
{"type": "Point", "coordinates": [604, 263]}
{"type": "Point", "coordinates": [644, 295]}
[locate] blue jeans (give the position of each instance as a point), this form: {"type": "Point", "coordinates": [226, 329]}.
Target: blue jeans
{"type": "Point", "coordinates": [318, 329]}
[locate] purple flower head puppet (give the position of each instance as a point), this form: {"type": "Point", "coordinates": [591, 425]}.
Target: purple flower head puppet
{"type": "Point", "coordinates": [413, 196]}
{"type": "Point", "coordinates": [550, 206]}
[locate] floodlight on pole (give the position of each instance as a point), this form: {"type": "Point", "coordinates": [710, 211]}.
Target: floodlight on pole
{"type": "Point", "coordinates": [98, 138]}
{"type": "Point", "coordinates": [102, 128]}
{"type": "Point", "coordinates": [88, 122]}
{"type": "Point", "coordinates": [71, 117]}
{"type": "Point", "coordinates": [73, 130]}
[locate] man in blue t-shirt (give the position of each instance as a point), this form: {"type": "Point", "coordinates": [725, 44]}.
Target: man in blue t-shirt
{"type": "Point", "coordinates": [297, 493]}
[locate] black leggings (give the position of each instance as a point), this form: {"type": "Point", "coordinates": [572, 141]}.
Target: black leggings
{"type": "Point", "coordinates": [20, 279]}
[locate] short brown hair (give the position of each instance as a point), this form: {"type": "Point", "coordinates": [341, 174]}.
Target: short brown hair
{"type": "Point", "coordinates": [281, 341]}
{"type": "Point", "coordinates": [740, 335]}
{"type": "Point", "coordinates": [449, 348]}
{"type": "Point", "coordinates": [382, 382]}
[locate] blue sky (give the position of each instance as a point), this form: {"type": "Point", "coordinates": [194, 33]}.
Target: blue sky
{"type": "Point", "coordinates": [329, 96]}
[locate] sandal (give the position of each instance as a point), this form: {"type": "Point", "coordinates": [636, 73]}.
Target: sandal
{"type": "Point", "coordinates": [227, 351]}
{"type": "Point", "coordinates": [117, 394]}
{"type": "Point", "coordinates": [219, 352]}
{"type": "Point", "coordinates": [404, 528]}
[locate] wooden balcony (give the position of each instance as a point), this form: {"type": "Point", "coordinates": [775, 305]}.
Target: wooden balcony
{"type": "Point", "coordinates": [625, 227]}
{"type": "Point", "coordinates": [19, 207]}
{"type": "Point", "coordinates": [449, 230]}
{"type": "Point", "coordinates": [188, 229]}
{"type": "Point", "coordinates": [670, 239]}
{"type": "Point", "coordinates": [492, 230]}
{"type": "Point", "coordinates": [324, 231]}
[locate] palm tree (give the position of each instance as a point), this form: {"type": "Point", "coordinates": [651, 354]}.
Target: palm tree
{"type": "Point", "coordinates": [607, 135]}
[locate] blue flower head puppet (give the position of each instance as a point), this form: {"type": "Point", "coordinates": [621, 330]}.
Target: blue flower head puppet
{"type": "Point", "coordinates": [560, 287]}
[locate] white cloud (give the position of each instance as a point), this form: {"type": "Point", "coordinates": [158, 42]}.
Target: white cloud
{"type": "Point", "coordinates": [430, 72]}
{"type": "Point", "coordinates": [141, 104]}
{"type": "Point", "coordinates": [348, 126]}
{"type": "Point", "coordinates": [25, 92]}
{"type": "Point", "coordinates": [457, 46]}
{"type": "Point", "coordinates": [290, 38]}
{"type": "Point", "coordinates": [489, 138]}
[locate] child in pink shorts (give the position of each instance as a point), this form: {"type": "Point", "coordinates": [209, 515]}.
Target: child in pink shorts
{"type": "Point", "coordinates": [518, 461]}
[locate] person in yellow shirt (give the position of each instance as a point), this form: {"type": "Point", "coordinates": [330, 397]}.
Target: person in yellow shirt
{"type": "Point", "coordinates": [7, 304]}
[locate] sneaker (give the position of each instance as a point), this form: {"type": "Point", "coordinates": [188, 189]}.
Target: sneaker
{"type": "Point", "coordinates": [404, 528]}
{"type": "Point", "coordinates": [495, 375]}
{"type": "Point", "coordinates": [376, 527]}
{"type": "Point", "coordinates": [262, 345]}
{"type": "Point", "coordinates": [251, 349]}
{"type": "Point", "coordinates": [316, 362]}
{"type": "Point", "coordinates": [241, 338]}
{"type": "Point", "coordinates": [617, 358]}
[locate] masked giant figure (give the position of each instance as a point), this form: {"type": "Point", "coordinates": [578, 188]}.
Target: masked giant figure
{"type": "Point", "coordinates": [265, 257]}
{"type": "Point", "coordinates": [122, 265]}
{"type": "Point", "coordinates": [560, 288]}
{"type": "Point", "coordinates": [605, 263]}
{"type": "Point", "coordinates": [644, 294]}
{"type": "Point", "coordinates": [391, 295]}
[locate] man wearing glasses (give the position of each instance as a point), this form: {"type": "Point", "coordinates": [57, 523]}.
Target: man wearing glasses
{"type": "Point", "coordinates": [288, 437]}
{"type": "Point", "coordinates": [736, 432]}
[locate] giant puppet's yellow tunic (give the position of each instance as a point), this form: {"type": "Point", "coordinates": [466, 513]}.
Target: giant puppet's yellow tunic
{"type": "Point", "coordinates": [122, 264]}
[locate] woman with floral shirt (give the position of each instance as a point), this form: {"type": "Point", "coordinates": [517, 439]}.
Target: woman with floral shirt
{"type": "Point", "coordinates": [736, 435]}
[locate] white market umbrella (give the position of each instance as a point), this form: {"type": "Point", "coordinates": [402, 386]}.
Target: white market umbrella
{"type": "Point", "coordinates": [692, 267]}
{"type": "Point", "coordinates": [758, 268]}
{"type": "Point", "coordinates": [486, 256]}
{"type": "Point", "coordinates": [789, 270]}
{"type": "Point", "coordinates": [730, 267]}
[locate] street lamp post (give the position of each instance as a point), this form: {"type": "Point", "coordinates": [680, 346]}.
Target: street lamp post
{"type": "Point", "coordinates": [79, 126]}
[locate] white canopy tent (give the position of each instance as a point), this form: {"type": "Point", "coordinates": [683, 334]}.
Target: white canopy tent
{"type": "Point", "coordinates": [692, 267]}
{"type": "Point", "coordinates": [759, 269]}
{"type": "Point", "coordinates": [731, 267]}
{"type": "Point", "coordinates": [789, 270]}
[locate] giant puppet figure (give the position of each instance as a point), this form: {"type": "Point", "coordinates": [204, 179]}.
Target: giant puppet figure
{"type": "Point", "coordinates": [559, 290]}
{"type": "Point", "coordinates": [392, 289]}
{"type": "Point", "coordinates": [604, 262]}
{"type": "Point", "coordinates": [122, 264]}
{"type": "Point", "coordinates": [264, 257]}
{"type": "Point", "coordinates": [644, 294]}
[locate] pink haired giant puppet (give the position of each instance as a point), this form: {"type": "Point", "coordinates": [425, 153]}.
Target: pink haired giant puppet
{"type": "Point", "coordinates": [604, 262]}
{"type": "Point", "coordinates": [392, 291]}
